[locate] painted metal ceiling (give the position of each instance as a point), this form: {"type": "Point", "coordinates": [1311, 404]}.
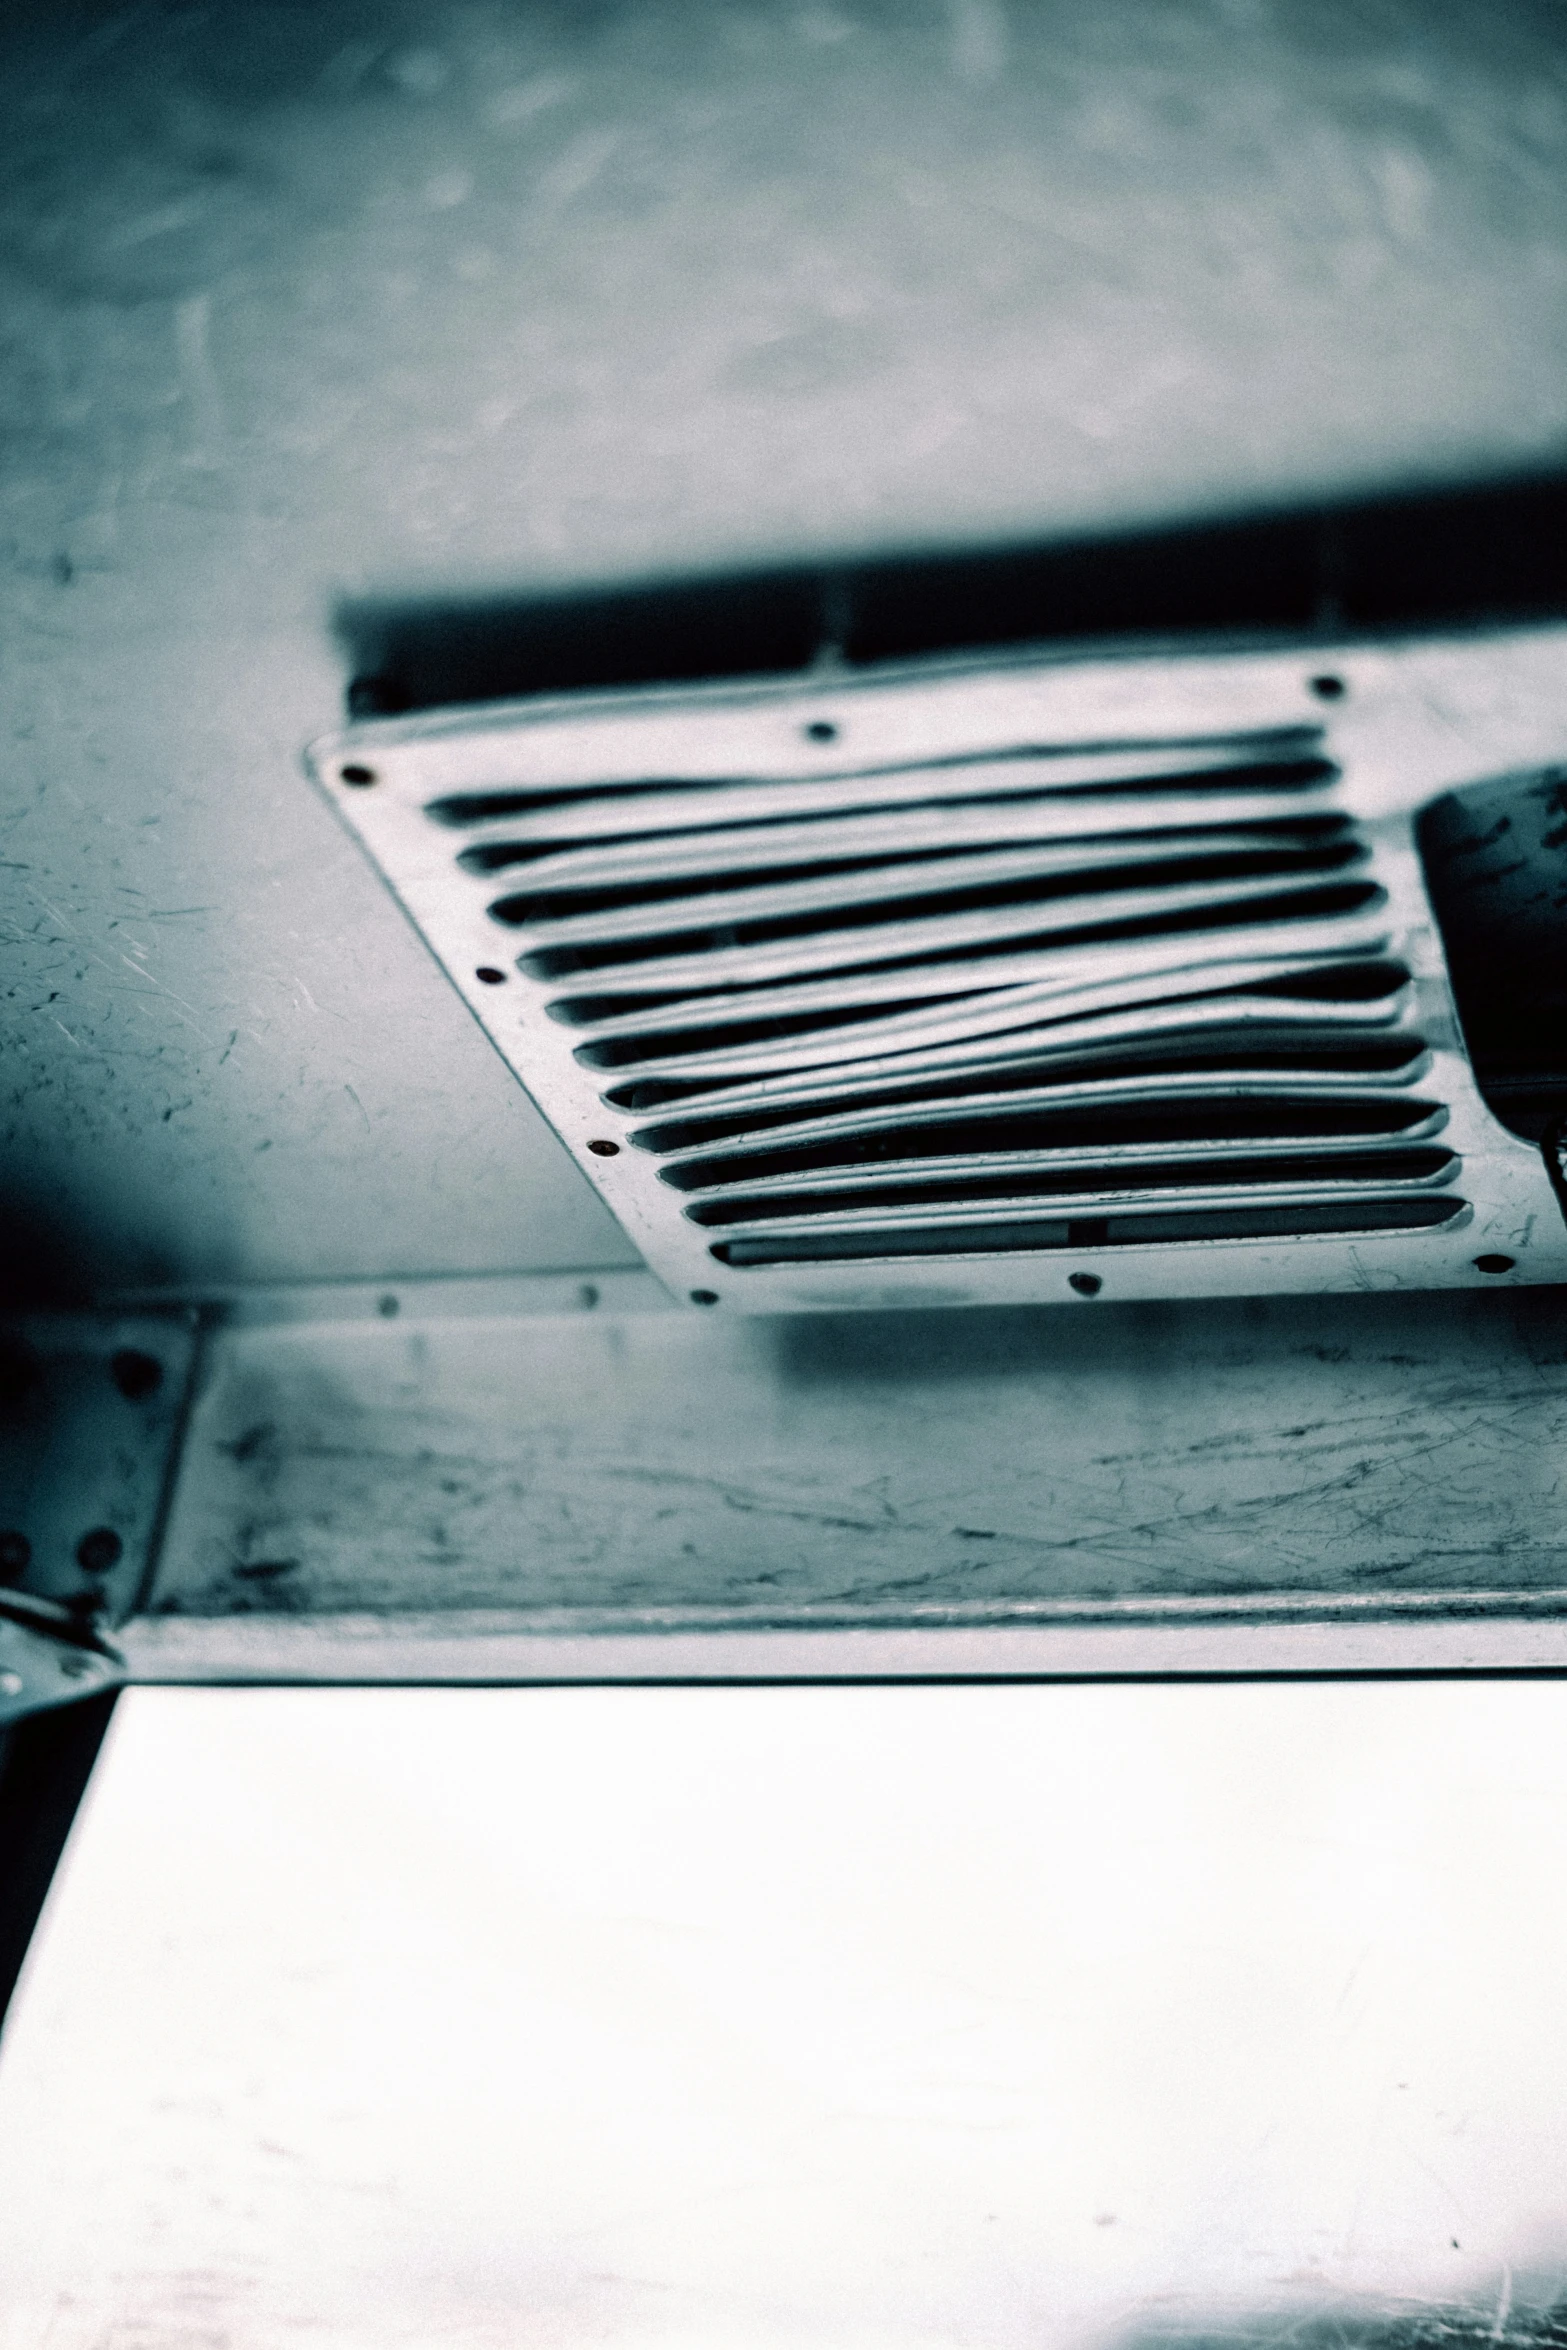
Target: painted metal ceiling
{"type": "Point", "coordinates": [352, 300]}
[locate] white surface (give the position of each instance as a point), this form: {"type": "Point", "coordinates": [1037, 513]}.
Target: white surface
{"type": "Point", "coordinates": [796, 2016]}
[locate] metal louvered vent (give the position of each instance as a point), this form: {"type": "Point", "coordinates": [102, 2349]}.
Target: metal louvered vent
{"type": "Point", "coordinates": [998, 983]}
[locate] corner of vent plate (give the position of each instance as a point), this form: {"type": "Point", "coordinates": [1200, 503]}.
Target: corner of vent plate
{"type": "Point", "coordinates": [1023, 980]}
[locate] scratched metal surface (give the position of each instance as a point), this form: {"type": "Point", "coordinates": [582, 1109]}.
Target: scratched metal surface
{"type": "Point", "coordinates": [599, 1468]}
{"type": "Point", "coordinates": [381, 295]}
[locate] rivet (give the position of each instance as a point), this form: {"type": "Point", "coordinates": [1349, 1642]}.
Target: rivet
{"type": "Point", "coordinates": [98, 1551]}
{"type": "Point", "coordinates": [135, 1374]}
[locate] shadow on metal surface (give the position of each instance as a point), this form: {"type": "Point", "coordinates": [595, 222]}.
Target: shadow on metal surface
{"type": "Point", "coordinates": [1490, 552]}
{"type": "Point", "coordinates": [45, 1764]}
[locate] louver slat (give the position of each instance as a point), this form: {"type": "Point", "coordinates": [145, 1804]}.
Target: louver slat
{"type": "Point", "coordinates": [1012, 999]}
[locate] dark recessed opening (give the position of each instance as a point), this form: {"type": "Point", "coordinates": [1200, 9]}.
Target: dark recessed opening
{"type": "Point", "coordinates": [490, 976]}
{"type": "Point", "coordinates": [1495, 1264]}
{"type": "Point", "coordinates": [1018, 1237]}
{"type": "Point", "coordinates": [1495, 551]}
{"type": "Point", "coordinates": [357, 774]}
{"type": "Point", "coordinates": [1495, 859]}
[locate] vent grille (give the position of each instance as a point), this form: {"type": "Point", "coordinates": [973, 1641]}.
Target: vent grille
{"type": "Point", "coordinates": [810, 1005]}
{"type": "Point", "coordinates": [1027, 1001]}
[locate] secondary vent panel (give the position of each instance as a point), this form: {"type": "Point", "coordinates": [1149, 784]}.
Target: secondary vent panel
{"type": "Point", "coordinates": [1025, 982]}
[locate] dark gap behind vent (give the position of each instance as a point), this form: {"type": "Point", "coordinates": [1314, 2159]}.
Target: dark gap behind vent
{"type": "Point", "coordinates": [1490, 551]}
{"type": "Point", "coordinates": [1235, 1062]}
{"type": "Point", "coordinates": [1297, 771]}
{"type": "Point", "coordinates": [1236, 1056]}
{"type": "Point", "coordinates": [893, 894]}
{"type": "Point", "coordinates": [1302, 903]}
{"type": "Point", "coordinates": [958, 1190]}
{"type": "Point", "coordinates": [1123, 1126]}
{"type": "Point", "coordinates": [1017, 1237]}
{"type": "Point", "coordinates": [497, 856]}
{"type": "Point", "coordinates": [1495, 858]}
{"type": "Point", "coordinates": [1341, 983]}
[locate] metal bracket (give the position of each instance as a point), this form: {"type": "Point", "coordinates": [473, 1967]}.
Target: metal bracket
{"type": "Point", "coordinates": [91, 1411]}
{"type": "Point", "coordinates": [50, 1657]}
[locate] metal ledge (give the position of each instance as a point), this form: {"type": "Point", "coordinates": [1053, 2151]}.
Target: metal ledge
{"type": "Point", "coordinates": [1470, 1632]}
{"type": "Point", "coordinates": [567, 1481]}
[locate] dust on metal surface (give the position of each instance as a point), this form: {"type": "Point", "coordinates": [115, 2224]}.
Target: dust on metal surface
{"type": "Point", "coordinates": [601, 1471]}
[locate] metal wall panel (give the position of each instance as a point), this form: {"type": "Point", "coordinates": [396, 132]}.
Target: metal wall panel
{"type": "Point", "coordinates": [602, 1485]}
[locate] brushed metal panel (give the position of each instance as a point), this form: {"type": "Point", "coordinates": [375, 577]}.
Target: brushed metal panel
{"type": "Point", "coordinates": [1080, 1484]}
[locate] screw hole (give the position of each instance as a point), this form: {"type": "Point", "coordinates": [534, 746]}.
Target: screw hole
{"type": "Point", "coordinates": [1086, 1284]}
{"type": "Point", "coordinates": [490, 976]}
{"type": "Point", "coordinates": [387, 1307]}
{"type": "Point", "coordinates": [135, 1375]}
{"type": "Point", "coordinates": [821, 730]}
{"type": "Point", "coordinates": [98, 1551]}
{"type": "Point", "coordinates": [704, 1297]}
{"type": "Point", "coordinates": [1329, 688]}
{"type": "Point", "coordinates": [1497, 1264]}
{"type": "Point", "coordinates": [605, 1150]}
{"type": "Point", "coordinates": [357, 774]}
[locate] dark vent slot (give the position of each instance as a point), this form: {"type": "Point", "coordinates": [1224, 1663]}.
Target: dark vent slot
{"type": "Point", "coordinates": [1397, 1061]}
{"type": "Point", "coordinates": [1032, 1182]}
{"type": "Point", "coordinates": [1016, 1237]}
{"type": "Point", "coordinates": [821, 1028]}
{"type": "Point", "coordinates": [1288, 760]}
{"type": "Point", "coordinates": [997, 1018]}
{"type": "Point", "coordinates": [886, 897]}
{"type": "Point", "coordinates": [890, 836]}
{"type": "Point", "coordinates": [710, 861]}
{"type": "Point", "coordinates": [1345, 982]}
{"type": "Point", "coordinates": [1119, 1126]}
{"type": "Point", "coordinates": [1394, 1063]}
{"type": "Point", "coordinates": [1011, 926]}
{"type": "Point", "coordinates": [1338, 983]}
